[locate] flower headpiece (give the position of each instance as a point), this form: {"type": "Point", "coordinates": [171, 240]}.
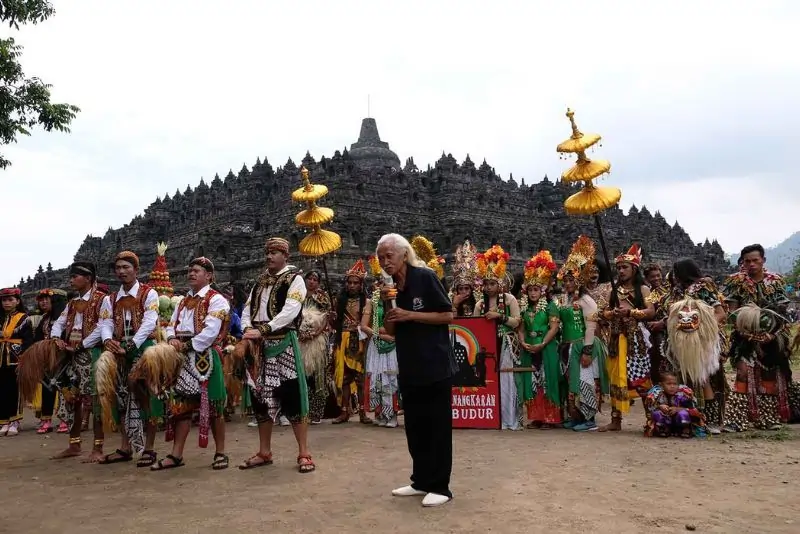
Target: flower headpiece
{"type": "Point", "coordinates": [357, 270]}
{"type": "Point", "coordinates": [492, 265]}
{"type": "Point", "coordinates": [580, 262]}
{"type": "Point", "coordinates": [465, 266]}
{"type": "Point", "coordinates": [539, 269]}
{"type": "Point", "coordinates": [375, 267]}
{"type": "Point", "coordinates": [426, 252]}
{"type": "Point", "coordinates": [633, 256]}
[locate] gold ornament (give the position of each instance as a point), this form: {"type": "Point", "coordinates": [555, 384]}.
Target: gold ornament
{"type": "Point", "coordinates": [319, 241]}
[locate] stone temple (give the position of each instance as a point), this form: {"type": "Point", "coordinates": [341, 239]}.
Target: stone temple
{"type": "Point", "coordinates": [230, 218]}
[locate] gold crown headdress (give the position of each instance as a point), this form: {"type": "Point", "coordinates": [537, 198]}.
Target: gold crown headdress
{"type": "Point", "coordinates": [580, 262]}
{"type": "Point", "coordinates": [465, 266]}
{"type": "Point", "coordinates": [357, 270]}
{"type": "Point", "coordinates": [426, 252]}
{"type": "Point", "coordinates": [633, 256]}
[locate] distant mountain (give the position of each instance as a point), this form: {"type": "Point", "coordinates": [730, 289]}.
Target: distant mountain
{"type": "Point", "coordinates": [781, 257]}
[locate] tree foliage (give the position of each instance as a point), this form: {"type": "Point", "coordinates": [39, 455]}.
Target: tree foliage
{"type": "Point", "coordinates": [25, 102]}
{"type": "Point", "coordinates": [793, 277]}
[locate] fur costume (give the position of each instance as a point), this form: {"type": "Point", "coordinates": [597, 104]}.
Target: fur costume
{"type": "Point", "coordinates": [693, 340]}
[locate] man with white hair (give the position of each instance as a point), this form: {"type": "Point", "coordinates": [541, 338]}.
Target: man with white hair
{"type": "Point", "coordinates": [418, 318]}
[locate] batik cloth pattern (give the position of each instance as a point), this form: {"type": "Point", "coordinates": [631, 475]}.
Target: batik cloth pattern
{"type": "Point", "coordinates": [281, 362]}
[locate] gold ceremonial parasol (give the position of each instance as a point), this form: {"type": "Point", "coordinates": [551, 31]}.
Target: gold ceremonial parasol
{"type": "Point", "coordinates": [591, 199]}
{"type": "Point", "coordinates": [319, 242]}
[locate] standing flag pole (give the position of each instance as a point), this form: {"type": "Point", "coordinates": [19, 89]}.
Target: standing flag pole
{"type": "Point", "coordinates": [591, 199]}
{"type": "Point", "coordinates": [319, 242]}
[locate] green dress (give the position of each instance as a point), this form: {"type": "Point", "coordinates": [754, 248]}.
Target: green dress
{"type": "Point", "coordinates": [536, 321]}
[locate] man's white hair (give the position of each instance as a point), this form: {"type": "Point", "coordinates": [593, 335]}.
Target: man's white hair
{"type": "Point", "coordinates": [400, 244]}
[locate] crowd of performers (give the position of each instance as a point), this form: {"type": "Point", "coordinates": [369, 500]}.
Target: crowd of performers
{"type": "Point", "coordinates": [138, 359]}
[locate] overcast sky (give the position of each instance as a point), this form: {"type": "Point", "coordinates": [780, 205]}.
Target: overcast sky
{"type": "Point", "coordinates": [696, 101]}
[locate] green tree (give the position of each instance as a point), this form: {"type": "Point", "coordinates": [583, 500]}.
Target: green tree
{"type": "Point", "coordinates": [25, 102]}
{"type": "Point", "coordinates": [793, 277]}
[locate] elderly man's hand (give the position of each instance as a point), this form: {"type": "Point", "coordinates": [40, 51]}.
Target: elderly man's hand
{"type": "Point", "coordinates": [399, 315]}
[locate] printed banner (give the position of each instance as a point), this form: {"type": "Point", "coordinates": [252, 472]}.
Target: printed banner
{"type": "Point", "coordinates": [476, 387]}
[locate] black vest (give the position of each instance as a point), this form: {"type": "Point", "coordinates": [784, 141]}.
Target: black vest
{"type": "Point", "coordinates": [277, 299]}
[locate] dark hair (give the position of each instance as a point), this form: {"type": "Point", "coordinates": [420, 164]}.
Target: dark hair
{"type": "Point", "coordinates": [313, 272]}
{"type": "Point", "coordinates": [652, 267]}
{"type": "Point", "coordinates": [638, 298]}
{"type": "Point", "coordinates": [752, 248]}
{"type": "Point", "coordinates": [20, 308]}
{"type": "Point", "coordinates": [341, 308]}
{"type": "Point", "coordinates": [664, 374]}
{"type": "Point", "coordinates": [686, 271]}
{"type": "Point", "coordinates": [603, 272]}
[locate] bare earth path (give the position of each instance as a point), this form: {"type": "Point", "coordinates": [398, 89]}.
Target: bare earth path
{"type": "Point", "coordinates": [532, 481]}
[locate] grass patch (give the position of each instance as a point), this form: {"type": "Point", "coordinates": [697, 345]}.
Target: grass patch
{"type": "Point", "coordinates": [784, 434]}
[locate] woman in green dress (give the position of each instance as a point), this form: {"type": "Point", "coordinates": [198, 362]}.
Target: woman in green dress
{"type": "Point", "coordinates": [542, 389]}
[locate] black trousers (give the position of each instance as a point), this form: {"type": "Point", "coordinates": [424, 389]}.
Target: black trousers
{"type": "Point", "coordinates": [429, 432]}
{"type": "Point", "coordinates": [10, 401]}
{"type": "Point", "coordinates": [48, 403]}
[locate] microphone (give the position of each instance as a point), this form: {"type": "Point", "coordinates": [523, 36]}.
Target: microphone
{"type": "Point", "coordinates": [388, 282]}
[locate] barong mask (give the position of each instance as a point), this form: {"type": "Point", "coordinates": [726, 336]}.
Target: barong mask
{"type": "Point", "coordinates": [580, 262]}
{"type": "Point", "coordinates": [693, 340]}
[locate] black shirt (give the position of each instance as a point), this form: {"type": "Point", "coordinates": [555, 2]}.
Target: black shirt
{"type": "Point", "coordinates": [423, 350]}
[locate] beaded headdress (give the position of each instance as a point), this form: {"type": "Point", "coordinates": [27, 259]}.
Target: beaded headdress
{"type": "Point", "coordinates": [580, 262]}
{"type": "Point", "coordinates": [426, 252]}
{"type": "Point", "coordinates": [465, 266]}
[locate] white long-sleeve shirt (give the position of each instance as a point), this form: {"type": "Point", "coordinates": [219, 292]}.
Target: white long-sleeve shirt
{"type": "Point", "coordinates": [61, 323]}
{"type": "Point", "coordinates": [149, 319]}
{"type": "Point", "coordinates": [291, 308]}
{"type": "Point", "coordinates": [183, 324]}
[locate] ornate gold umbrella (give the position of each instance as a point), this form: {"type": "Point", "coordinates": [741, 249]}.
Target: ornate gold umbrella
{"type": "Point", "coordinates": [591, 199]}
{"type": "Point", "coordinates": [319, 242]}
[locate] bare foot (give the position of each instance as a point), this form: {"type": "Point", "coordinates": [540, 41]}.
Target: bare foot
{"type": "Point", "coordinates": [94, 457]}
{"type": "Point", "coordinates": [69, 452]}
{"type": "Point", "coordinates": [613, 426]}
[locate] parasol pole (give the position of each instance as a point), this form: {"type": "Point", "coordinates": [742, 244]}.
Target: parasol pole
{"type": "Point", "coordinates": [327, 280]}
{"type": "Point", "coordinates": [603, 247]}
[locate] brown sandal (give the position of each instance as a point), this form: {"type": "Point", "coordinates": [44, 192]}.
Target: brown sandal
{"type": "Point", "coordinates": [252, 463]}
{"type": "Point", "coordinates": [305, 464]}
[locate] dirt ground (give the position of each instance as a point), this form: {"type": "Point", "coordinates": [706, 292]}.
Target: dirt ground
{"type": "Point", "coordinates": [531, 481]}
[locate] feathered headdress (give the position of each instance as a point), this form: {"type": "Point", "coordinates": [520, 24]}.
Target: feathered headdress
{"type": "Point", "coordinates": [492, 265]}
{"type": "Point", "coordinates": [633, 256]}
{"type": "Point", "coordinates": [465, 266]}
{"type": "Point", "coordinates": [580, 262]}
{"type": "Point", "coordinates": [357, 270]}
{"type": "Point", "coordinates": [426, 252]}
{"type": "Point", "coordinates": [375, 266]}
{"type": "Point", "coordinates": [539, 269]}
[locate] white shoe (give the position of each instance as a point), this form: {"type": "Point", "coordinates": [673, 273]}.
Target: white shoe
{"type": "Point", "coordinates": [392, 423]}
{"type": "Point", "coordinates": [284, 421]}
{"type": "Point", "coordinates": [252, 423]}
{"type": "Point", "coordinates": [4, 430]}
{"type": "Point", "coordinates": [13, 429]}
{"type": "Point", "coordinates": [713, 430]}
{"type": "Point", "coordinates": [434, 499]}
{"type": "Point", "coordinates": [408, 491]}
{"type": "Point", "coordinates": [316, 422]}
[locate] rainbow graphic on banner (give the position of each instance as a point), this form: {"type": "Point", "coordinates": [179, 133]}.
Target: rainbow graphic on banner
{"type": "Point", "coordinates": [468, 339]}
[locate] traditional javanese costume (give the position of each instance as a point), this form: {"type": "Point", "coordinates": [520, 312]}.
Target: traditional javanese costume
{"type": "Point", "coordinates": [492, 266]}
{"type": "Point", "coordinates": [348, 347]}
{"type": "Point", "coordinates": [313, 339]}
{"type": "Point", "coordinates": [688, 421]}
{"type": "Point", "coordinates": [131, 319]}
{"type": "Point", "coordinates": [79, 326]}
{"type": "Point", "coordinates": [578, 316]}
{"type": "Point", "coordinates": [16, 335]}
{"type": "Point", "coordinates": [628, 359]}
{"type": "Point", "coordinates": [465, 273]}
{"type": "Point", "coordinates": [200, 322]}
{"type": "Point", "coordinates": [276, 375]}
{"type": "Point", "coordinates": [693, 342]}
{"type": "Point", "coordinates": [46, 400]}
{"type": "Point", "coordinates": [542, 390]}
{"type": "Point", "coordinates": [381, 388]}
{"type": "Point", "coordinates": [760, 338]}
